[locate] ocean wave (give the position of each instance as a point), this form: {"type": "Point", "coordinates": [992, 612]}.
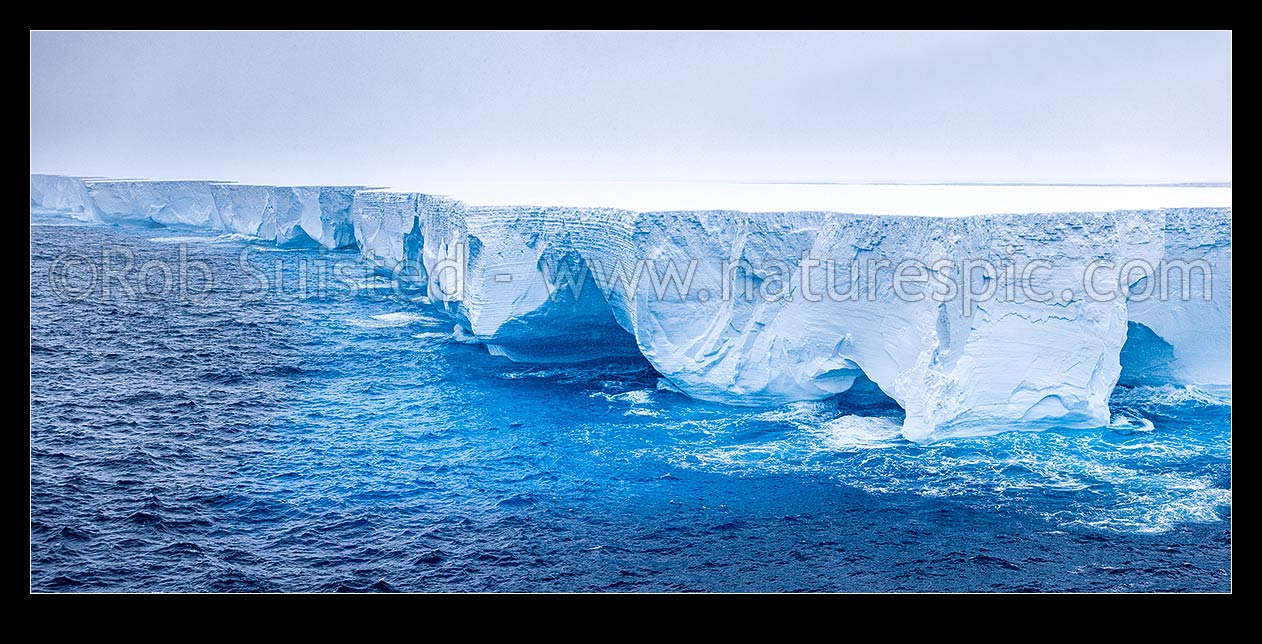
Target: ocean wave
{"type": "Point", "coordinates": [1108, 476]}
{"type": "Point", "coordinates": [431, 335]}
{"type": "Point", "coordinates": [203, 239]}
{"type": "Point", "coordinates": [865, 432]}
{"type": "Point", "coordinates": [1170, 396]}
{"type": "Point", "coordinates": [388, 320]}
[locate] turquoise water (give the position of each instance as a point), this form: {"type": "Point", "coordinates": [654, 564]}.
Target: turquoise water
{"type": "Point", "coordinates": [320, 442]}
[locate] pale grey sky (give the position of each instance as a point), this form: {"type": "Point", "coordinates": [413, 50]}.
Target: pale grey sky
{"type": "Point", "coordinates": [407, 109]}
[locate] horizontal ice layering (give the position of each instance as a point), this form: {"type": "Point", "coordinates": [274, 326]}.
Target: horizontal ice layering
{"type": "Point", "coordinates": [1049, 311]}
{"type": "Point", "coordinates": [1182, 333]}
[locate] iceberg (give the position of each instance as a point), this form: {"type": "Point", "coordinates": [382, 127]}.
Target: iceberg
{"type": "Point", "coordinates": [388, 228]}
{"type": "Point", "coordinates": [154, 203]}
{"type": "Point", "coordinates": [1180, 314]}
{"type": "Point", "coordinates": [957, 366]}
{"type": "Point", "coordinates": [316, 216]}
{"type": "Point", "coordinates": [490, 270]}
{"type": "Point", "coordinates": [528, 293]}
{"type": "Point", "coordinates": [246, 209]}
{"type": "Point", "coordinates": [67, 195]}
{"type": "Point", "coordinates": [973, 324]}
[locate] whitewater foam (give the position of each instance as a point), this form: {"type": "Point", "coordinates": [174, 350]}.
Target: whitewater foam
{"type": "Point", "coordinates": [387, 320]}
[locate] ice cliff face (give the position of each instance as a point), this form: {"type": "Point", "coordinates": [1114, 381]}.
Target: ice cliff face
{"type": "Point", "coordinates": [163, 203]}
{"type": "Point", "coordinates": [389, 229]}
{"type": "Point", "coordinates": [1048, 355]}
{"type": "Point", "coordinates": [67, 195]}
{"type": "Point", "coordinates": [955, 365]}
{"type": "Point", "coordinates": [317, 216]}
{"type": "Point", "coordinates": [974, 325]}
{"type": "Point", "coordinates": [503, 275]}
{"type": "Point", "coordinates": [1181, 314]}
{"type": "Point", "coordinates": [289, 216]}
{"type": "Point", "coordinates": [528, 293]}
{"type": "Point", "coordinates": [247, 209]}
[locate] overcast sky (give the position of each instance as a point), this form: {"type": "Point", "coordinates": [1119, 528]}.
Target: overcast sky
{"type": "Point", "coordinates": [409, 109]}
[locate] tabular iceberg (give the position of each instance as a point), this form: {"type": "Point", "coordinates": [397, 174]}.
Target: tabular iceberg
{"type": "Point", "coordinates": [955, 365]}
{"type": "Point", "coordinates": [1185, 307]}
{"type": "Point", "coordinates": [247, 209]}
{"type": "Point", "coordinates": [973, 324]}
{"type": "Point", "coordinates": [290, 216]}
{"type": "Point", "coordinates": [67, 195]}
{"type": "Point", "coordinates": [317, 216]}
{"type": "Point", "coordinates": [163, 203]}
{"type": "Point", "coordinates": [389, 229]}
{"type": "Point", "coordinates": [528, 293]}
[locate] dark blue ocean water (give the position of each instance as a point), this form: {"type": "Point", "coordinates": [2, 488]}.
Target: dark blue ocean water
{"type": "Point", "coordinates": [318, 442]}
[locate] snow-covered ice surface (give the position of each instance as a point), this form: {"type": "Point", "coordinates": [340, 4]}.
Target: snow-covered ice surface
{"type": "Point", "coordinates": [931, 200]}
{"type": "Point", "coordinates": [576, 272]}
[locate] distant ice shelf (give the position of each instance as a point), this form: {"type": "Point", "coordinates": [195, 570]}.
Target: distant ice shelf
{"type": "Point", "coordinates": [1071, 310]}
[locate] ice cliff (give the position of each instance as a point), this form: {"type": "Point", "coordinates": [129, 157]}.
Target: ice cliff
{"type": "Point", "coordinates": [995, 322]}
{"type": "Point", "coordinates": [289, 216]}
{"type": "Point", "coordinates": [67, 195]}
{"type": "Point", "coordinates": [1182, 333]}
{"type": "Point", "coordinates": [955, 366]}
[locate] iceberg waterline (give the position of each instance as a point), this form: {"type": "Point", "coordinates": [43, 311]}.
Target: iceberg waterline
{"type": "Point", "coordinates": [740, 325]}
